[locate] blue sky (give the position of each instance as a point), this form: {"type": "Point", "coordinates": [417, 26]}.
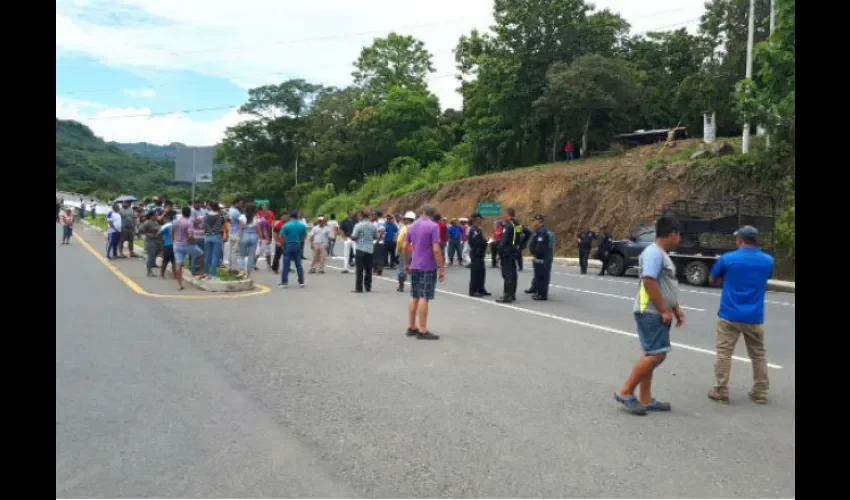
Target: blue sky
{"type": "Point", "coordinates": [127, 67]}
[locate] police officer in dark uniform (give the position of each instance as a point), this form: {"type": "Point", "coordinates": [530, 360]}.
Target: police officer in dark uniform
{"type": "Point", "coordinates": [542, 251]}
{"type": "Point", "coordinates": [585, 242]}
{"type": "Point", "coordinates": [509, 253]}
{"type": "Point", "coordinates": [477, 254]}
{"type": "Point", "coordinates": [605, 240]}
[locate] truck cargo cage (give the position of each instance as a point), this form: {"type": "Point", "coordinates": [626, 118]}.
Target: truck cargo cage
{"type": "Point", "coordinates": [709, 226]}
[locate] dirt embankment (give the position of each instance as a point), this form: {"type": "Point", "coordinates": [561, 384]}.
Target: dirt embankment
{"type": "Point", "coordinates": [618, 191]}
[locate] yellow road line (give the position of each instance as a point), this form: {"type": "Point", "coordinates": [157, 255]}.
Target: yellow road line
{"type": "Point", "coordinates": [261, 289]}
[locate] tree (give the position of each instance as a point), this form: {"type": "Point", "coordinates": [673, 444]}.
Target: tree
{"type": "Point", "coordinates": [591, 84]}
{"type": "Point", "coordinates": [395, 61]}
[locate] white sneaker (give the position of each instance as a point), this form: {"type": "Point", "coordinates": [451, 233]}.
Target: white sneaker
{"type": "Point", "coordinates": [283, 286]}
{"type": "Point", "coordinates": [301, 285]}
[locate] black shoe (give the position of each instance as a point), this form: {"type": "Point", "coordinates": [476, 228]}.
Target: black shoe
{"type": "Point", "coordinates": [505, 300]}
{"type": "Point", "coordinates": [486, 293]}
{"type": "Point", "coordinates": [530, 290]}
{"type": "Point", "coordinates": [476, 295]}
{"type": "Point", "coordinates": [427, 336]}
{"type": "Point", "coordinates": [538, 297]}
{"type": "Point", "coordinates": [412, 332]}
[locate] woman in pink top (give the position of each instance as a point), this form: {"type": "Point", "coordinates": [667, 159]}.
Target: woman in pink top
{"type": "Point", "coordinates": [67, 226]}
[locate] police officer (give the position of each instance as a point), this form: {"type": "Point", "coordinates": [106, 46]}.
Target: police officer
{"type": "Point", "coordinates": [509, 252]}
{"type": "Point", "coordinates": [605, 240]}
{"type": "Point", "coordinates": [585, 242]}
{"type": "Point", "coordinates": [477, 253]}
{"type": "Point", "coordinates": [541, 248]}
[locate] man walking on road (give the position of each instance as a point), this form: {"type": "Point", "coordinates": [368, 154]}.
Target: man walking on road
{"type": "Point", "coordinates": [655, 307]}
{"type": "Point", "coordinates": [585, 242]}
{"type": "Point", "coordinates": [425, 264]}
{"type": "Point", "coordinates": [294, 233]}
{"type": "Point", "coordinates": [363, 236]}
{"type": "Point", "coordinates": [744, 274]}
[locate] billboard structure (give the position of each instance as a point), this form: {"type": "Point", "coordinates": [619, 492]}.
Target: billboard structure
{"type": "Point", "coordinates": [195, 164]}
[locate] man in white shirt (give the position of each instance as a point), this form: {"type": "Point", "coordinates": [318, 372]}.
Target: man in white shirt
{"type": "Point", "coordinates": [319, 238]}
{"type": "Point", "coordinates": [113, 232]}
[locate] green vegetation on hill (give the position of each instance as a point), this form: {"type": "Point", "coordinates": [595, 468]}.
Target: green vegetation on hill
{"type": "Point", "coordinates": [86, 164]}
{"type": "Point", "coordinates": [147, 150]}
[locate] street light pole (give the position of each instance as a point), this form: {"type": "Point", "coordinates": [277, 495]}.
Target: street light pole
{"type": "Point", "coordinates": [745, 140]}
{"type": "Point", "coordinates": [194, 176]}
{"type": "Point", "coordinates": [770, 39]}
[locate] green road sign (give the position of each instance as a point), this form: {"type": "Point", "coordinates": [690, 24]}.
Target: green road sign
{"type": "Point", "coordinates": [489, 209]}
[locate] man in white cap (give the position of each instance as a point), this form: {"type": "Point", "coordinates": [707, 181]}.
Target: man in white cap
{"type": "Point", "coordinates": [407, 220]}
{"type": "Point", "coordinates": [320, 239]}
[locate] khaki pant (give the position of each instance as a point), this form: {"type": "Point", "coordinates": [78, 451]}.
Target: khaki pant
{"type": "Point", "coordinates": [320, 252]}
{"type": "Point", "coordinates": [727, 336]}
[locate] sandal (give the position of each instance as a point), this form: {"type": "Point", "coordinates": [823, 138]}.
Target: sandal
{"type": "Point", "coordinates": [656, 405]}
{"type": "Point", "coordinates": [716, 396]}
{"type": "Point", "coordinates": [426, 336]}
{"type": "Point", "coordinates": [411, 332]}
{"type": "Point", "coordinates": [631, 404]}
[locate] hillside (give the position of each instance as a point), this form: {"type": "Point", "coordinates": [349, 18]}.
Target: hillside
{"type": "Point", "coordinates": [87, 164]}
{"type": "Point", "coordinates": [619, 191]}
{"type": "Point", "coordinates": [148, 150]}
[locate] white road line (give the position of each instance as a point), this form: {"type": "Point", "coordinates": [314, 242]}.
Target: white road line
{"type": "Point", "coordinates": [613, 296]}
{"type": "Point", "coordinates": [682, 289]}
{"type": "Point", "coordinates": [573, 321]}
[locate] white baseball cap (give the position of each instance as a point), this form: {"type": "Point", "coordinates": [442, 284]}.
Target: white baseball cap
{"type": "Point", "coordinates": [410, 215]}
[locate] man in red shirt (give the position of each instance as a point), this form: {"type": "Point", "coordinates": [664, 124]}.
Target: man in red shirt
{"type": "Point", "coordinates": [569, 149]}
{"type": "Point", "coordinates": [278, 241]}
{"type": "Point", "coordinates": [267, 214]}
{"type": "Point", "coordinates": [444, 233]}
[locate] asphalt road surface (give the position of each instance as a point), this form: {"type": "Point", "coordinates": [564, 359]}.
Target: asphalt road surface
{"type": "Point", "coordinates": [317, 392]}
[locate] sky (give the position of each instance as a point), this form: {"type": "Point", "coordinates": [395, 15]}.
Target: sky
{"type": "Point", "coordinates": [163, 71]}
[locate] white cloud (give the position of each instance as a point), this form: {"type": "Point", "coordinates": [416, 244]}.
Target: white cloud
{"type": "Point", "coordinates": [255, 42]}
{"type": "Point", "coordinates": [133, 124]}
{"type": "Point", "coordinates": [145, 92]}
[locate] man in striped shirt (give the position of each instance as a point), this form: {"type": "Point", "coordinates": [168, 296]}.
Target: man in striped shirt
{"type": "Point", "coordinates": [364, 235]}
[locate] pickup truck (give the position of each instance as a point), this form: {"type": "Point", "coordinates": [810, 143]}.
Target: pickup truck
{"type": "Point", "coordinates": [707, 233]}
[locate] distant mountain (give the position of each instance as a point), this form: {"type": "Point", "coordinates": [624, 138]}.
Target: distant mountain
{"type": "Point", "coordinates": [87, 164]}
{"type": "Point", "coordinates": [148, 150]}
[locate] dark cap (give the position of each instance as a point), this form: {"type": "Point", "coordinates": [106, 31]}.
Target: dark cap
{"type": "Point", "coordinates": [747, 233]}
{"type": "Point", "coordinates": [476, 215]}
{"type": "Point", "coordinates": [294, 214]}
{"type": "Point", "coordinates": [538, 217]}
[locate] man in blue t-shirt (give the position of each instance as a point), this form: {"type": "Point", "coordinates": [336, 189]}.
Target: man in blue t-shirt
{"type": "Point", "coordinates": [744, 273]}
{"type": "Point", "coordinates": [293, 234]}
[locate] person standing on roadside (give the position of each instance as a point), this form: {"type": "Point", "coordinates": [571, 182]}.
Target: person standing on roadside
{"type": "Point", "coordinates": [150, 231]}
{"type": "Point", "coordinates": [278, 241]}
{"type": "Point", "coordinates": [182, 232]}
{"type": "Point", "coordinates": [334, 228]}
{"type": "Point", "coordinates": [444, 233]}
{"type": "Point", "coordinates": [364, 235]}
{"type": "Point", "coordinates": [494, 242]}
{"type": "Point", "coordinates": [293, 232]}
{"type": "Point", "coordinates": [213, 233]}
{"type": "Point", "coordinates": [346, 228]}
{"type": "Point", "coordinates": [585, 242]}
{"type": "Point", "coordinates": [67, 226]}
{"type": "Point", "coordinates": [128, 225]}
{"type": "Point", "coordinates": [656, 305]}
{"type": "Point", "coordinates": [400, 243]}
{"type": "Point", "coordinates": [390, 234]}
{"type": "Point", "coordinates": [426, 267]}
{"type": "Point", "coordinates": [455, 242]}
{"type": "Point", "coordinates": [477, 253]}
{"type": "Point", "coordinates": [604, 248]}
{"type": "Point", "coordinates": [113, 232]}
{"type": "Point", "coordinates": [198, 213]}
{"type": "Point", "coordinates": [320, 238]}
{"type": "Point", "coordinates": [233, 234]}
{"type": "Point", "coordinates": [248, 223]}
{"type": "Point", "coordinates": [510, 248]}
{"type": "Point", "coordinates": [541, 251]}
{"type": "Point", "coordinates": [744, 274]}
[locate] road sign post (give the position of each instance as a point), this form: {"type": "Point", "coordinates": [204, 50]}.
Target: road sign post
{"type": "Point", "coordinates": [489, 209]}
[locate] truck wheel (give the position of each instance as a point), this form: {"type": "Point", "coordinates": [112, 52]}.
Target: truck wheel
{"type": "Point", "coordinates": [696, 273]}
{"type": "Point", "coordinates": [616, 265]}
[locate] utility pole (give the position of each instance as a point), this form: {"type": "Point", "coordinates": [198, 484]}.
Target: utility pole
{"type": "Point", "coordinates": [194, 176]}
{"type": "Point", "coordinates": [745, 140]}
{"type": "Point", "coordinates": [296, 163]}
{"type": "Point", "coordinates": [770, 40]}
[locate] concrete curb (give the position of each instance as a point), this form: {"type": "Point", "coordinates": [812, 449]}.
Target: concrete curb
{"type": "Point", "coordinates": [772, 285]}
{"type": "Point", "coordinates": [205, 285]}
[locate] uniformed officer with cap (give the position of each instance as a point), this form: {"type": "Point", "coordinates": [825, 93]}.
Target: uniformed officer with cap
{"type": "Point", "coordinates": [605, 239]}
{"type": "Point", "coordinates": [477, 253]}
{"type": "Point", "coordinates": [509, 252]}
{"type": "Point", "coordinates": [541, 247]}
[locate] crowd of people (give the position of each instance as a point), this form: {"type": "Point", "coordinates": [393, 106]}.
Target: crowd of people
{"type": "Point", "coordinates": [422, 244]}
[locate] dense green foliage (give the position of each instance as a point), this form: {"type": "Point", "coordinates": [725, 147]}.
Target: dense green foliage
{"type": "Point", "coordinates": [148, 150]}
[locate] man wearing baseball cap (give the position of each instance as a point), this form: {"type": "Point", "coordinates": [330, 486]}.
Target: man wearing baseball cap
{"type": "Point", "coordinates": [744, 274]}
{"type": "Point", "coordinates": [477, 253]}
{"type": "Point", "coordinates": [407, 220]}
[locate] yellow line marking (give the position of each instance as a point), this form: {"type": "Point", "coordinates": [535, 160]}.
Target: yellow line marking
{"type": "Point", "coordinates": [261, 289]}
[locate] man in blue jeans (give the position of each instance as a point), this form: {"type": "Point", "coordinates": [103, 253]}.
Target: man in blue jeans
{"type": "Point", "coordinates": [293, 234]}
{"type": "Point", "coordinates": [655, 307]}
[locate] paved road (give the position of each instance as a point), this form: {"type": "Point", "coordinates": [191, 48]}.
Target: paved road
{"type": "Point", "coordinates": [316, 392]}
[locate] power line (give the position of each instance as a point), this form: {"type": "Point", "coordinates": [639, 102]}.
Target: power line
{"type": "Point", "coordinates": [191, 82]}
